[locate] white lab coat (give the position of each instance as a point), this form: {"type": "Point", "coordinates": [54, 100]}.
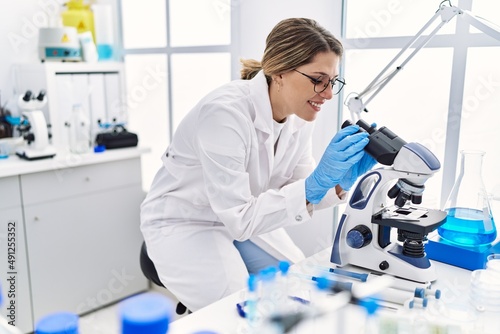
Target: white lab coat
{"type": "Point", "coordinates": [222, 180]}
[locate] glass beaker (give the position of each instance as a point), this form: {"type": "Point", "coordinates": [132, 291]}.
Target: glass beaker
{"type": "Point", "coordinates": [469, 221]}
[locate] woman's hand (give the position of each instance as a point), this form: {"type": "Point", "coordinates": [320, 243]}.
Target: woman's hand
{"type": "Point", "coordinates": [344, 151]}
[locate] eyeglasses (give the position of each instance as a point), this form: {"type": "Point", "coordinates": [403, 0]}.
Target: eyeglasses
{"type": "Point", "coordinates": [321, 83]}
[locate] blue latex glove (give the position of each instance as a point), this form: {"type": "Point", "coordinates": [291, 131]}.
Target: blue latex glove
{"type": "Point", "coordinates": [365, 164]}
{"type": "Point", "coordinates": [344, 150]}
{"type": "Point", "coordinates": [362, 166]}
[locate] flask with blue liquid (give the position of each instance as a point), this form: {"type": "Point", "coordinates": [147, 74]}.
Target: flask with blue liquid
{"type": "Point", "coordinates": [469, 221]}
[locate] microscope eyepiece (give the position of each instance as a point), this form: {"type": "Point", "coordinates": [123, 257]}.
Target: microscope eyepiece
{"type": "Point", "coordinates": [41, 95]}
{"type": "Point", "coordinates": [383, 145]}
{"type": "Point", "coordinates": [27, 96]}
{"type": "Point", "coordinates": [363, 126]}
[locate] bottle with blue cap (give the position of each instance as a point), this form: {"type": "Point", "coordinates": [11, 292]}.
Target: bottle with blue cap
{"type": "Point", "coordinates": [268, 290]}
{"type": "Point", "coordinates": [370, 306]}
{"type": "Point", "coordinates": [148, 313]}
{"type": "Point", "coordinates": [58, 323]}
{"type": "Point", "coordinates": [319, 294]}
{"type": "Point", "coordinates": [282, 285]}
{"type": "Point", "coordinates": [252, 301]}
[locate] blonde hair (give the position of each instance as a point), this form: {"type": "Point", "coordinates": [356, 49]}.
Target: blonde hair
{"type": "Point", "coordinates": [292, 42]}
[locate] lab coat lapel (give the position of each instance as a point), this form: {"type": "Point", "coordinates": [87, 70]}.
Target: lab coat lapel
{"type": "Point", "coordinates": [287, 139]}
{"type": "Point", "coordinates": [263, 120]}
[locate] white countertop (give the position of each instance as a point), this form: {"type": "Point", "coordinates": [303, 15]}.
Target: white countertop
{"type": "Point", "coordinates": [453, 312]}
{"type": "Point", "coordinates": [14, 165]}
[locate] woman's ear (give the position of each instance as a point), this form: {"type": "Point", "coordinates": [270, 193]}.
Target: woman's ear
{"type": "Point", "coordinates": [278, 79]}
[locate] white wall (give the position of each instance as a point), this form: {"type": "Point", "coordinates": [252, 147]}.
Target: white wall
{"type": "Point", "coordinates": [257, 18]}
{"type": "Point", "coordinates": [18, 38]}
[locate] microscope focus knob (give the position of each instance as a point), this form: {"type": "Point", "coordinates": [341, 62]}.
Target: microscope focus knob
{"type": "Point", "coordinates": [384, 265]}
{"type": "Point", "coordinates": [359, 236]}
{"type": "Point", "coordinates": [29, 138]}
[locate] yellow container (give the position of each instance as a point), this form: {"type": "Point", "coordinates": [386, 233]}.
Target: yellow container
{"type": "Point", "coordinates": [80, 16]}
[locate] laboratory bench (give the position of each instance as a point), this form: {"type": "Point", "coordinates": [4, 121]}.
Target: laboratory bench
{"type": "Point", "coordinates": [452, 312]}
{"type": "Point", "coordinates": [69, 233]}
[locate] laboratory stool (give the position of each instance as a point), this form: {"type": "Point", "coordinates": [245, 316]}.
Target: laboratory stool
{"type": "Point", "coordinates": [149, 270]}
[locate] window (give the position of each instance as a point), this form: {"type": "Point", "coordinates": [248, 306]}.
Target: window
{"type": "Point", "coordinates": [136, 33]}
{"type": "Point", "coordinates": [372, 19]}
{"type": "Point", "coordinates": [148, 107]}
{"type": "Point", "coordinates": [208, 24]}
{"type": "Point", "coordinates": [481, 115]}
{"type": "Point", "coordinates": [181, 53]}
{"type": "Point", "coordinates": [412, 105]}
{"type": "Point", "coordinates": [193, 76]}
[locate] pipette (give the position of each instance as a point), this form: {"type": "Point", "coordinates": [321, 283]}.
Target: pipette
{"type": "Point", "coordinates": [378, 288]}
{"type": "Point", "coordinates": [419, 289]}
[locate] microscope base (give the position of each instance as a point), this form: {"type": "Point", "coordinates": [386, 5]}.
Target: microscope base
{"type": "Point", "coordinates": [471, 258]}
{"type": "Point", "coordinates": [30, 154]}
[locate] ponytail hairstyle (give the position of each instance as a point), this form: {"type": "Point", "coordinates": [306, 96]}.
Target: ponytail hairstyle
{"type": "Point", "coordinates": [292, 43]}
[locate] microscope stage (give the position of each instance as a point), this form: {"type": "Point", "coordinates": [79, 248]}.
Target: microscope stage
{"type": "Point", "coordinates": [410, 218]}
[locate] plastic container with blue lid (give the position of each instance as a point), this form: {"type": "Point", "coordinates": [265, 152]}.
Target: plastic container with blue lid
{"type": "Point", "coordinates": [58, 323]}
{"type": "Point", "coordinates": [148, 313]}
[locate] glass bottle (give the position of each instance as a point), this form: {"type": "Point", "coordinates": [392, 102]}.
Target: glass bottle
{"type": "Point", "coordinates": [469, 221]}
{"type": "Point", "coordinates": [103, 24]}
{"type": "Point", "coordinates": [79, 131]}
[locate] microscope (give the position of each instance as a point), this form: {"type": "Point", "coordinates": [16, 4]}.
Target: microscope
{"type": "Point", "coordinates": [384, 237]}
{"type": "Point", "coordinates": [34, 128]}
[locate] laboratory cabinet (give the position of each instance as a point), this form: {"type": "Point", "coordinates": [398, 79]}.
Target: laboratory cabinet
{"type": "Point", "coordinates": [81, 236]}
{"type": "Point", "coordinates": [14, 278]}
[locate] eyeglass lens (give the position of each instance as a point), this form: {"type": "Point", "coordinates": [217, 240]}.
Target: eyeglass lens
{"type": "Point", "coordinates": [336, 85]}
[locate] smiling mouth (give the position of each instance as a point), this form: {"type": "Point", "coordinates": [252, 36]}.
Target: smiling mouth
{"type": "Point", "coordinates": [315, 104]}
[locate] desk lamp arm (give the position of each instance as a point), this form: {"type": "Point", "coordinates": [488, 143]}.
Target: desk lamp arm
{"type": "Point", "coordinates": [483, 25]}
{"type": "Point", "coordinates": [356, 104]}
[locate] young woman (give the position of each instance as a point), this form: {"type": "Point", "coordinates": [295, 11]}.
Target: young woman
{"type": "Point", "coordinates": [240, 168]}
